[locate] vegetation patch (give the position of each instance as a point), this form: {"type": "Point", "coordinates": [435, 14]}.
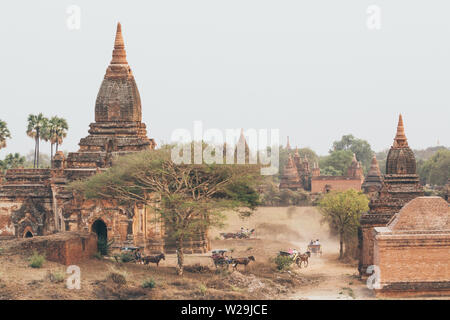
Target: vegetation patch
{"type": "Point", "coordinates": [36, 260]}
{"type": "Point", "coordinates": [148, 283]}
{"type": "Point", "coordinates": [283, 262]}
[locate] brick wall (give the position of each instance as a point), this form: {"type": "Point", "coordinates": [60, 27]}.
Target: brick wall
{"type": "Point", "coordinates": [319, 184]}
{"type": "Point", "coordinates": [66, 248]}
{"type": "Point", "coordinates": [413, 264]}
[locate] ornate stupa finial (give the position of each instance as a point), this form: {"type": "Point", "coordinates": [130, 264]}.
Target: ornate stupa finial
{"type": "Point", "coordinates": [118, 67]}
{"type": "Point", "coordinates": [374, 168]}
{"type": "Point", "coordinates": [288, 146]}
{"type": "Point", "coordinates": [400, 138]}
{"type": "Point", "coordinates": [119, 55]}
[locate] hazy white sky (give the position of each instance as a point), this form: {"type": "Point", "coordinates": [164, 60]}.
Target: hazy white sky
{"type": "Point", "coordinates": [310, 68]}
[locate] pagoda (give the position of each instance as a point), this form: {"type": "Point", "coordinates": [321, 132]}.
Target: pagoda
{"type": "Point", "coordinates": [400, 185]}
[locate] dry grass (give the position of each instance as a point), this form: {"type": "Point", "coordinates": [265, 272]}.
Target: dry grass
{"type": "Point", "coordinates": [276, 229]}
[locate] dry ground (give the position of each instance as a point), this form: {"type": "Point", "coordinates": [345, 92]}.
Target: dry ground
{"type": "Point", "coordinates": [276, 229]}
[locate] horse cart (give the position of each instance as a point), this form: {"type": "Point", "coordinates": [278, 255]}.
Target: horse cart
{"type": "Point", "coordinates": [220, 259]}
{"type": "Point", "coordinates": [292, 255]}
{"type": "Point", "coordinates": [296, 257]}
{"type": "Point", "coordinates": [315, 249]}
{"type": "Point", "coordinates": [129, 254]}
{"type": "Point", "coordinates": [238, 235]}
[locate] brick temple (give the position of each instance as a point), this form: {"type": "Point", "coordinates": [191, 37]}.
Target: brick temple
{"type": "Point", "coordinates": [36, 202]}
{"type": "Point", "coordinates": [398, 186]}
{"type": "Point", "coordinates": [412, 251]}
{"type": "Point", "coordinates": [298, 175]}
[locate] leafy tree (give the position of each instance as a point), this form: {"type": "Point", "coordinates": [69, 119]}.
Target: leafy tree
{"type": "Point", "coordinates": [191, 197]}
{"type": "Point", "coordinates": [436, 170]}
{"type": "Point", "coordinates": [44, 160]}
{"type": "Point", "coordinates": [361, 148]}
{"type": "Point", "coordinates": [4, 134]}
{"type": "Point", "coordinates": [342, 211]}
{"type": "Point", "coordinates": [330, 171]}
{"type": "Point", "coordinates": [55, 132]}
{"type": "Point", "coordinates": [337, 162]}
{"type": "Point", "coordinates": [12, 161]}
{"type": "Point", "coordinates": [425, 154]}
{"type": "Point", "coordinates": [37, 124]}
{"type": "Point", "coordinates": [271, 194]}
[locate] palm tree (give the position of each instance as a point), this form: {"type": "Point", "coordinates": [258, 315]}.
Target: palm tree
{"type": "Point", "coordinates": [51, 133]}
{"type": "Point", "coordinates": [37, 125]}
{"type": "Point", "coordinates": [4, 134]}
{"type": "Point", "coordinates": [60, 132]}
{"type": "Point", "coordinates": [55, 132]}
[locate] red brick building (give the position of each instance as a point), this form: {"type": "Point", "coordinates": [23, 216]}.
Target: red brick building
{"type": "Point", "coordinates": [352, 180]}
{"type": "Point", "coordinates": [399, 185]}
{"type": "Point", "coordinates": [36, 202]}
{"type": "Point", "coordinates": [413, 250]}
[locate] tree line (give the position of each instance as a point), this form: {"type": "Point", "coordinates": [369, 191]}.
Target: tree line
{"type": "Point", "coordinates": [433, 163]}
{"type": "Point", "coordinates": [39, 128]}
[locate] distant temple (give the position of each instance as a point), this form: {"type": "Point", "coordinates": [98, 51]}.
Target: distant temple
{"type": "Point", "coordinates": [373, 182]}
{"type": "Point", "coordinates": [352, 180]}
{"type": "Point", "coordinates": [399, 185]}
{"type": "Point", "coordinates": [297, 175]}
{"type": "Point", "coordinates": [35, 202]}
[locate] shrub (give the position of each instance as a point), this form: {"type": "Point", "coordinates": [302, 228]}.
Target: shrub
{"type": "Point", "coordinates": [118, 276]}
{"type": "Point", "coordinates": [104, 246]}
{"type": "Point", "coordinates": [148, 283]}
{"type": "Point", "coordinates": [98, 255]}
{"type": "Point", "coordinates": [56, 277]}
{"type": "Point", "coordinates": [283, 262]}
{"type": "Point", "coordinates": [126, 257]}
{"type": "Point", "coordinates": [202, 289]}
{"type": "Point", "coordinates": [37, 260]}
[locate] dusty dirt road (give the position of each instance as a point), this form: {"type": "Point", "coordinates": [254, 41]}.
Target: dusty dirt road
{"type": "Point", "coordinates": [276, 229]}
{"type": "Point", "coordinates": [281, 228]}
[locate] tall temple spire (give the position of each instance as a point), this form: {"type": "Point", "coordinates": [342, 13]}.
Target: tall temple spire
{"type": "Point", "coordinates": [374, 168]}
{"type": "Point", "coordinates": [118, 67]}
{"type": "Point", "coordinates": [119, 55]}
{"type": "Point", "coordinates": [288, 146]}
{"type": "Point", "coordinates": [400, 138]}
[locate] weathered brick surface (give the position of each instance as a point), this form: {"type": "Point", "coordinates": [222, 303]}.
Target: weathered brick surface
{"type": "Point", "coordinates": [66, 248]}
{"type": "Point", "coordinates": [322, 183]}
{"type": "Point", "coordinates": [38, 200]}
{"type": "Point", "coordinates": [413, 251]}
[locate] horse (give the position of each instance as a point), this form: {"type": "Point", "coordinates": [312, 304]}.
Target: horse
{"type": "Point", "coordinates": [242, 235]}
{"type": "Point", "coordinates": [154, 259]}
{"type": "Point", "coordinates": [229, 235]}
{"type": "Point", "coordinates": [244, 261]}
{"type": "Point", "coordinates": [303, 258]}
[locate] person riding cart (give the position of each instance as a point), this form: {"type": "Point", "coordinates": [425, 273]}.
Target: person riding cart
{"type": "Point", "coordinates": [220, 258]}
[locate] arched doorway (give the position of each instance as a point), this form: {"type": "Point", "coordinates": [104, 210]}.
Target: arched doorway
{"type": "Point", "coordinates": [99, 227]}
{"type": "Point", "coordinates": [28, 234]}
